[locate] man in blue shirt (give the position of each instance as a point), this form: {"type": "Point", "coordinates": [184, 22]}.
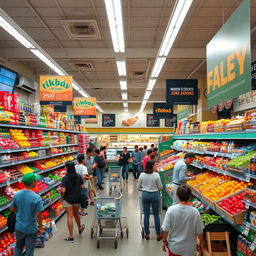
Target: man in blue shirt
{"type": "Point", "coordinates": [179, 174]}
{"type": "Point", "coordinates": [28, 207]}
{"type": "Point", "coordinates": [137, 158]}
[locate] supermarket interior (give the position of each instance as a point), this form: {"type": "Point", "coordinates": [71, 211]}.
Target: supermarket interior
{"type": "Point", "coordinates": [127, 77]}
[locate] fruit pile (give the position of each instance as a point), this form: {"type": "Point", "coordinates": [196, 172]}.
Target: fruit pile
{"type": "Point", "coordinates": [212, 182]}
{"type": "Point", "coordinates": [39, 187]}
{"type": "Point", "coordinates": [208, 219]}
{"type": "Point", "coordinates": [241, 161]}
{"type": "Point", "coordinates": [250, 195]}
{"type": "Point", "coordinates": [201, 178]}
{"type": "Point", "coordinates": [2, 221]}
{"type": "Point", "coordinates": [24, 169]}
{"type": "Point", "coordinates": [224, 189]}
{"type": "Point", "coordinates": [3, 200]}
{"type": "Point", "coordinates": [20, 138]}
{"type": "Point", "coordinates": [2, 177]}
{"type": "Point", "coordinates": [7, 244]}
{"type": "Point", "coordinates": [7, 143]}
{"type": "Point", "coordinates": [233, 204]}
{"type": "Point", "coordinates": [166, 152]}
{"type": "Point", "coordinates": [169, 162]}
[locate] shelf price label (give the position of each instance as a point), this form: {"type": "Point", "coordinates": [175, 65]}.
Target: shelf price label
{"type": "Point", "coordinates": [246, 229]}
{"type": "Point", "coordinates": [253, 245]}
{"type": "Point", "coordinates": [247, 205]}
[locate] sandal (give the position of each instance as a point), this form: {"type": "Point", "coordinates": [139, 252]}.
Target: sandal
{"type": "Point", "coordinates": [69, 239]}
{"type": "Point", "coordinates": [82, 229]}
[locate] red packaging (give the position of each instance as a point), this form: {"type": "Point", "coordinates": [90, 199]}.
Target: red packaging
{"type": "Point", "coordinates": [14, 103]}
{"type": "Point", "coordinates": [3, 100]}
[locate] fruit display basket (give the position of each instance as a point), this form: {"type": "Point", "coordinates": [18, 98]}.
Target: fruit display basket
{"type": "Point", "coordinates": [237, 218]}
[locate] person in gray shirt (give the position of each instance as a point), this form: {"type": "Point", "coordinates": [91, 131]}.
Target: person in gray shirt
{"type": "Point", "coordinates": [185, 226]}
{"type": "Point", "coordinates": [150, 185]}
{"type": "Point", "coordinates": [179, 174]}
{"type": "Point", "coordinates": [137, 158]}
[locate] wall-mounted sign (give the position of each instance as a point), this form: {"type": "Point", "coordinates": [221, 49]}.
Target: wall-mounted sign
{"type": "Point", "coordinates": [62, 109]}
{"type": "Point", "coordinates": [229, 58]}
{"type": "Point", "coordinates": [77, 119]}
{"type": "Point", "coordinates": [245, 101]}
{"type": "Point", "coordinates": [152, 121]}
{"type": "Point", "coordinates": [253, 74]}
{"type": "Point", "coordinates": [108, 120]}
{"type": "Point", "coordinates": [182, 112]}
{"type": "Point", "coordinates": [162, 110]}
{"type": "Point", "coordinates": [55, 90]}
{"type": "Point", "coordinates": [85, 107]}
{"type": "Point", "coordinates": [181, 91]}
{"type": "Point", "coordinates": [171, 122]}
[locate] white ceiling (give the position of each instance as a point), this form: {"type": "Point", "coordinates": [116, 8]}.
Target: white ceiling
{"type": "Point", "coordinates": [144, 25]}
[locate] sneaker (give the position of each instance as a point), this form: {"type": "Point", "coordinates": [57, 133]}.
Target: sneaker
{"type": "Point", "coordinates": [159, 237]}
{"type": "Point", "coordinates": [82, 229]}
{"type": "Point", "coordinates": [91, 203]}
{"type": "Point", "coordinates": [100, 187]}
{"type": "Point", "coordinates": [126, 181]}
{"type": "Point", "coordinates": [82, 214]}
{"type": "Point", "coordinates": [69, 239]}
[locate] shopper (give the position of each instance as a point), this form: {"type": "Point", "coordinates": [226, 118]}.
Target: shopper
{"type": "Point", "coordinates": [100, 164]}
{"type": "Point", "coordinates": [145, 151]}
{"type": "Point", "coordinates": [71, 186]}
{"type": "Point", "coordinates": [152, 146]}
{"type": "Point", "coordinates": [89, 162]}
{"type": "Point", "coordinates": [179, 174]}
{"type": "Point", "coordinates": [150, 185]}
{"type": "Point", "coordinates": [154, 158]}
{"type": "Point", "coordinates": [124, 162]}
{"type": "Point", "coordinates": [185, 226]}
{"type": "Point", "coordinates": [82, 171]}
{"type": "Point", "coordinates": [155, 152]}
{"type": "Point", "coordinates": [147, 158]}
{"type": "Point", "coordinates": [103, 153]}
{"type": "Point", "coordinates": [137, 158]}
{"type": "Point", "coordinates": [28, 207]}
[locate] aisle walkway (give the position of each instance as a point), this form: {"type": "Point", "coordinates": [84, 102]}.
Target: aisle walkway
{"type": "Point", "coordinates": [133, 246]}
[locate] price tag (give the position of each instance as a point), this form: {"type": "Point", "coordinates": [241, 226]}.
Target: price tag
{"type": "Point", "coordinates": [8, 183]}
{"type": "Point", "coordinates": [216, 153]}
{"type": "Point", "coordinates": [246, 230]}
{"type": "Point", "coordinates": [247, 178]}
{"type": "Point", "coordinates": [247, 205]}
{"type": "Point", "coordinates": [19, 179]}
{"type": "Point", "coordinates": [8, 151]}
{"type": "Point", "coordinates": [253, 245]}
{"type": "Point", "coordinates": [50, 146]}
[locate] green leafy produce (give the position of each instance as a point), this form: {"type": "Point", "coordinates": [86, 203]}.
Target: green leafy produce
{"type": "Point", "coordinates": [240, 161]}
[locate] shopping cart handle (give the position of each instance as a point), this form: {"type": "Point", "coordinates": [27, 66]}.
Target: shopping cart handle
{"type": "Point", "coordinates": [109, 197]}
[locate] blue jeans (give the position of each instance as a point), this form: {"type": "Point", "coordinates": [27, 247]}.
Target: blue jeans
{"type": "Point", "coordinates": [151, 199]}
{"type": "Point", "coordinates": [136, 171]}
{"type": "Point", "coordinates": [125, 170]}
{"type": "Point", "coordinates": [100, 176]}
{"type": "Point", "coordinates": [24, 239]}
{"type": "Point", "coordinates": [85, 192]}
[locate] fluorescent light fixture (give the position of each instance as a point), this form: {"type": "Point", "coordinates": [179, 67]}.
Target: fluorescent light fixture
{"type": "Point", "coordinates": [83, 93]}
{"type": "Point", "coordinates": [115, 21]}
{"type": "Point", "coordinates": [48, 62]}
{"type": "Point", "coordinates": [124, 96]}
{"type": "Point", "coordinates": [126, 110]}
{"type": "Point", "coordinates": [123, 85]}
{"type": "Point", "coordinates": [174, 25]}
{"type": "Point", "coordinates": [151, 84]}
{"type": "Point", "coordinates": [121, 67]}
{"type": "Point", "coordinates": [125, 104]}
{"type": "Point", "coordinates": [13, 32]}
{"type": "Point", "coordinates": [99, 108]}
{"type": "Point", "coordinates": [159, 62]}
{"type": "Point", "coordinates": [147, 95]}
{"type": "Point", "coordinates": [74, 85]}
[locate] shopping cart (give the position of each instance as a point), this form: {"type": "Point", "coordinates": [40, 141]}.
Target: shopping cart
{"type": "Point", "coordinates": [114, 179]}
{"type": "Point", "coordinates": [151, 224]}
{"type": "Point", "coordinates": [108, 223]}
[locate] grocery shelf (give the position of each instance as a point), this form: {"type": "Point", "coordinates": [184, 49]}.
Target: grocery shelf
{"type": "Point", "coordinates": [52, 202]}
{"type": "Point", "coordinates": [38, 128]}
{"type": "Point", "coordinates": [59, 216]}
{"type": "Point", "coordinates": [241, 177]}
{"type": "Point", "coordinates": [168, 192]}
{"type": "Point", "coordinates": [17, 150]}
{"type": "Point", "coordinates": [35, 159]}
{"type": "Point", "coordinates": [249, 203]}
{"type": "Point", "coordinates": [250, 225]}
{"type": "Point", "coordinates": [205, 152]}
{"type": "Point", "coordinates": [4, 228]}
{"type": "Point", "coordinates": [243, 135]}
{"type": "Point", "coordinates": [5, 206]}
{"type": "Point", "coordinates": [166, 156]}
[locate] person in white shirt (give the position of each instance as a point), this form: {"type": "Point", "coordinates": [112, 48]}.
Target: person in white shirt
{"type": "Point", "coordinates": [150, 185]}
{"type": "Point", "coordinates": [185, 226]}
{"type": "Point", "coordinates": [83, 172]}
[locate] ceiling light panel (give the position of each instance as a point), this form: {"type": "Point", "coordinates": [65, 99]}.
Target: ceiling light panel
{"type": "Point", "coordinates": [123, 85]}
{"type": "Point", "coordinates": [159, 62]}
{"type": "Point", "coordinates": [147, 95]}
{"type": "Point", "coordinates": [121, 67]}
{"type": "Point", "coordinates": [125, 104]}
{"type": "Point", "coordinates": [151, 84]}
{"type": "Point", "coordinates": [115, 21]}
{"type": "Point", "coordinates": [124, 96]}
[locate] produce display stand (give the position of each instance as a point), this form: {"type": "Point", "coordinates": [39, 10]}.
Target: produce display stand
{"type": "Point", "coordinates": [6, 164]}
{"type": "Point", "coordinates": [246, 136]}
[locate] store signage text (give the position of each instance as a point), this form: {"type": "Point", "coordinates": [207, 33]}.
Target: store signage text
{"type": "Point", "coordinates": [162, 110]}
{"type": "Point", "coordinates": [85, 107]}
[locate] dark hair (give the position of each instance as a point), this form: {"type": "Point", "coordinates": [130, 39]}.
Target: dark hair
{"type": "Point", "coordinates": [153, 156]}
{"type": "Point", "coordinates": [89, 150]}
{"type": "Point", "coordinates": [149, 151]}
{"type": "Point", "coordinates": [97, 151]}
{"type": "Point", "coordinates": [145, 147]}
{"type": "Point", "coordinates": [184, 193]}
{"type": "Point", "coordinates": [155, 149]}
{"type": "Point", "coordinates": [71, 172]}
{"type": "Point", "coordinates": [80, 158]}
{"type": "Point", "coordinates": [149, 166]}
{"type": "Point", "coordinates": [189, 155]}
{"type": "Point", "coordinates": [125, 148]}
{"type": "Point", "coordinates": [141, 148]}
{"type": "Point", "coordinates": [136, 146]}
{"type": "Point", "coordinates": [152, 145]}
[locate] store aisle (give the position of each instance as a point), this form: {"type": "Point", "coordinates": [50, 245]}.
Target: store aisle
{"type": "Point", "coordinates": [83, 245]}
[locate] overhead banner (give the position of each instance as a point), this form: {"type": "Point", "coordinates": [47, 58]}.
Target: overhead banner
{"type": "Point", "coordinates": [229, 58]}
{"type": "Point", "coordinates": [181, 91]}
{"type": "Point", "coordinates": [152, 121]}
{"type": "Point", "coordinates": [85, 107]}
{"type": "Point", "coordinates": [162, 110]}
{"type": "Point", "coordinates": [171, 122]}
{"type": "Point", "coordinates": [253, 74]}
{"type": "Point", "coordinates": [55, 90]}
{"type": "Point", "coordinates": [108, 120]}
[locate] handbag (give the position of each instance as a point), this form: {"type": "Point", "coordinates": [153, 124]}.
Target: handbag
{"type": "Point", "coordinates": [84, 201]}
{"type": "Point", "coordinates": [11, 221]}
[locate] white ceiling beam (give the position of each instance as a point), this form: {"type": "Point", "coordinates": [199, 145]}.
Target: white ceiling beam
{"type": "Point", "coordinates": [101, 53]}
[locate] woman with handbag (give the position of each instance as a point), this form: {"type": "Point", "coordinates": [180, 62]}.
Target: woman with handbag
{"type": "Point", "coordinates": [71, 196]}
{"type": "Point", "coordinates": [124, 163]}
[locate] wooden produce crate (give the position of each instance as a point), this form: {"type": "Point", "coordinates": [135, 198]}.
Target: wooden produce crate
{"type": "Point", "coordinates": [208, 200]}
{"type": "Point", "coordinates": [238, 218]}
